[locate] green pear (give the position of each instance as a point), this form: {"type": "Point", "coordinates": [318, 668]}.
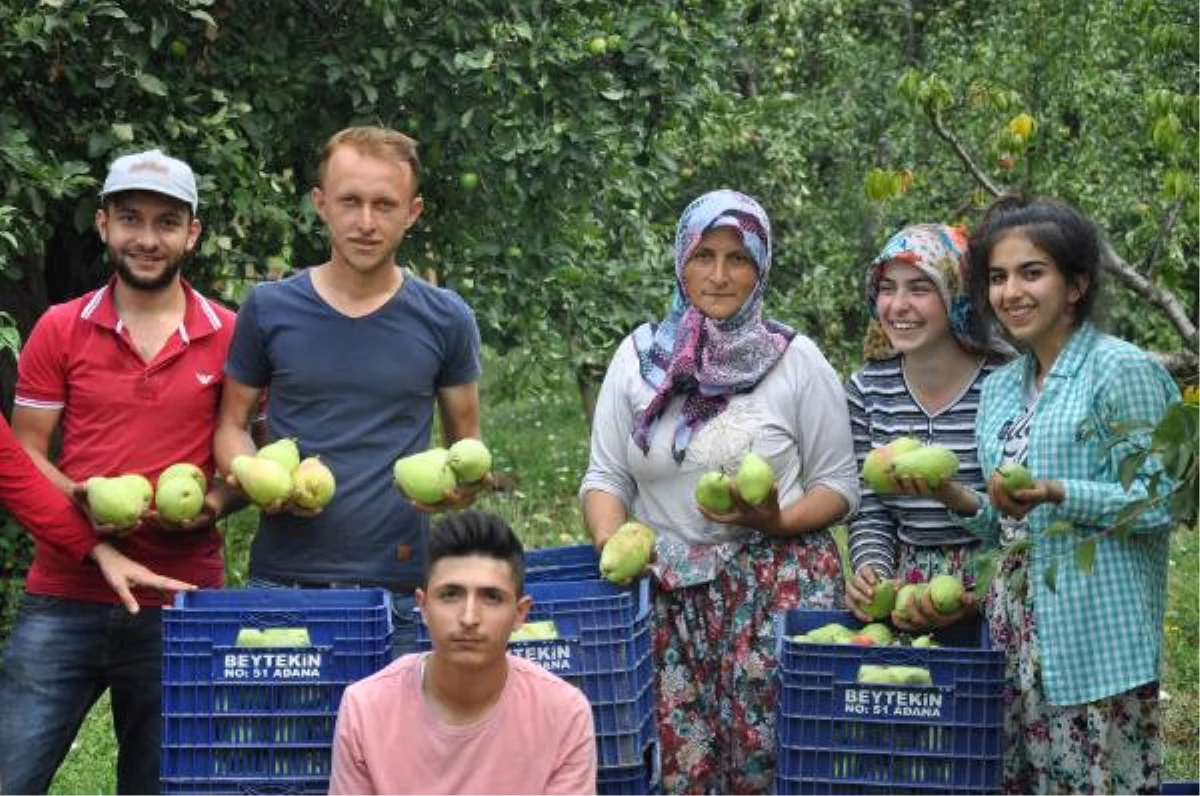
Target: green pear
{"type": "Point", "coordinates": [115, 501]}
{"type": "Point", "coordinates": [883, 597]}
{"type": "Point", "coordinates": [184, 469]}
{"type": "Point", "coordinates": [932, 462]}
{"type": "Point", "coordinates": [263, 480]}
{"type": "Point", "coordinates": [313, 484]}
{"type": "Point", "coordinates": [545, 630]}
{"type": "Point", "coordinates": [911, 675]}
{"type": "Point", "coordinates": [470, 460]}
{"type": "Point", "coordinates": [140, 485]}
{"type": "Point", "coordinates": [832, 633]}
{"type": "Point", "coordinates": [877, 466]}
{"type": "Point", "coordinates": [905, 599]}
{"type": "Point", "coordinates": [627, 552]}
{"type": "Point", "coordinates": [873, 674]}
{"type": "Point", "coordinates": [878, 632]}
{"type": "Point", "coordinates": [945, 592]}
{"type": "Point", "coordinates": [754, 478]}
{"type": "Point", "coordinates": [283, 452]}
{"type": "Point", "coordinates": [179, 499]}
{"type": "Point", "coordinates": [1015, 476]}
{"type": "Point", "coordinates": [425, 477]}
{"type": "Point", "coordinates": [712, 492]}
{"type": "Point", "coordinates": [925, 641]}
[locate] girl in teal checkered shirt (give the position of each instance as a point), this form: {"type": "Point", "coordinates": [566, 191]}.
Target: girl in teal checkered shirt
{"type": "Point", "coordinates": [1083, 659]}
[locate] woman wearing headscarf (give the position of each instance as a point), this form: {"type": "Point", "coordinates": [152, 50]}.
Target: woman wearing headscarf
{"type": "Point", "coordinates": [927, 354]}
{"type": "Point", "coordinates": [693, 393]}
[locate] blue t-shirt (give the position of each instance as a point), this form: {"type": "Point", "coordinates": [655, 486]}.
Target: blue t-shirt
{"type": "Point", "coordinates": [360, 393]}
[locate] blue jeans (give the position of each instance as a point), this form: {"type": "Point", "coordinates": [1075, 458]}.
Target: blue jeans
{"type": "Point", "coordinates": [61, 656]}
{"type": "Point", "coordinates": [404, 618]}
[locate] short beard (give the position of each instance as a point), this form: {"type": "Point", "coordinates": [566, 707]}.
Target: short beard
{"type": "Point", "coordinates": [154, 285]}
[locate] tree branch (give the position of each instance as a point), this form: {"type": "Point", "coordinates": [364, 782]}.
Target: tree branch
{"type": "Point", "coordinates": [1171, 306]}
{"type": "Point", "coordinates": [943, 133]}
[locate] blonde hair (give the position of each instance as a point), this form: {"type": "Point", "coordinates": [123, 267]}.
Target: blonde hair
{"type": "Point", "coordinates": [380, 142]}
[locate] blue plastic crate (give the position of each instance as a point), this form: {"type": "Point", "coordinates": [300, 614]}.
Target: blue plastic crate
{"type": "Point", "coordinates": [260, 719]}
{"type": "Point", "coordinates": [625, 749]}
{"type": "Point", "coordinates": [1181, 787]}
{"type": "Point", "coordinates": [573, 562]}
{"type": "Point", "coordinates": [837, 736]}
{"type": "Point", "coordinates": [642, 778]}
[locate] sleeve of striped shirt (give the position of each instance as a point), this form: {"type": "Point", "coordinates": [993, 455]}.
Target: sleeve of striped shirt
{"type": "Point", "coordinates": [872, 528]}
{"type": "Point", "coordinates": [1139, 394]}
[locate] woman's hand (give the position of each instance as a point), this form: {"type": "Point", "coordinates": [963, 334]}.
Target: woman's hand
{"type": "Point", "coordinates": [951, 494]}
{"type": "Point", "coordinates": [860, 590]}
{"type": "Point", "coordinates": [765, 517]}
{"type": "Point", "coordinates": [1020, 502]}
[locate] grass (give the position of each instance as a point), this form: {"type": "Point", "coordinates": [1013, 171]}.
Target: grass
{"type": "Point", "coordinates": [541, 447]}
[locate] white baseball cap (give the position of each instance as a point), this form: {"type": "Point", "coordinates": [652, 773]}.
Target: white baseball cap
{"type": "Point", "coordinates": [152, 171]}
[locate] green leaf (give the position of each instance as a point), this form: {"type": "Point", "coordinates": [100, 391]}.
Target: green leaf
{"type": "Point", "coordinates": [1059, 528]}
{"type": "Point", "coordinates": [1085, 556]}
{"type": "Point", "coordinates": [151, 84]}
{"type": "Point", "coordinates": [1127, 470]}
{"type": "Point", "coordinates": [1050, 577]}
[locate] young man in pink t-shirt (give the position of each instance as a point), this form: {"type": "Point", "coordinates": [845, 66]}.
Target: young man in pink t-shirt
{"type": "Point", "coordinates": [466, 717]}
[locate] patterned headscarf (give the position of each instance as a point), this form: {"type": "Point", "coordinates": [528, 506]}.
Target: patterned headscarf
{"type": "Point", "coordinates": [705, 359]}
{"type": "Point", "coordinates": [940, 253]}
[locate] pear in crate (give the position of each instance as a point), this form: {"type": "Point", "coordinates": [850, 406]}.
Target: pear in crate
{"type": "Point", "coordinates": [425, 477]}
{"type": "Point", "coordinates": [263, 480]}
{"type": "Point", "coordinates": [545, 630]}
{"type": "Point", "coordinates": [627, 552]}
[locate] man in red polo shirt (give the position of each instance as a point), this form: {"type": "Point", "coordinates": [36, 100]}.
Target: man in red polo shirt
{"type": "Point", "coordinates": [131, 374]}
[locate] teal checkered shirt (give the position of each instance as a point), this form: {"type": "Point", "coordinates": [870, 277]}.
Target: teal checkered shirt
{"type": "Point", "coordinates": [1099, 634]}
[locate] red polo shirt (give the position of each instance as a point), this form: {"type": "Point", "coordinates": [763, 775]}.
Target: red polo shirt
{"type": "Point", "coordinates": [121, 414]}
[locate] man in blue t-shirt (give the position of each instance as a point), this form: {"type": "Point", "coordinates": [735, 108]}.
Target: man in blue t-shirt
{"type": "Point", "coordinates": [354, 354]}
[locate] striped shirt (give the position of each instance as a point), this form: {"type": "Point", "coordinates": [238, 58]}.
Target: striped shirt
{"type": "Point", "coordinates": [1099, 634]}
{"type": "Point", "coordinates": [882, 407]}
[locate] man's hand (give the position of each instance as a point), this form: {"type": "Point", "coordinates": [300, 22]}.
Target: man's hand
{"type": "Point", "coordinates": [124, 574]}
{"type": "Point", "coordinates": [460, 497]}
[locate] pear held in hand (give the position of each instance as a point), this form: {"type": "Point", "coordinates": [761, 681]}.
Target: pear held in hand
{"type": "Point", "coordinates": [118, 501]}
{"type": "Point", "coordinates": [179, 499]}
{"type": "Point", "coordinates": [1015, 476]}
{"type": "Point", "coordinates": [185, 469]}
{"type": "Point", "coordinates": [313, 484]}
{"type": "Point", "coordinates": [283, 452]}
{"type": "Point", "coordinates": [712, 492]}
{"type": "Point", "coordinates": [877, 466]}
{"type": "Point", "coordinates": [754, 479]}
{"type": "Point", "coordinates": [425, 477]}
{"type": "Point", "coordinates": [627, 552]}
{"type": "Point", "coordinates": [883, 599]}
{"type": "Point", "coordinates": [263, 480]}
{"type": "Point", "coordinates": [945, 592]}
{"type": "Point", "coordinates": [932, 462]}
{"type": "Point", "coordinates": [470, 460]}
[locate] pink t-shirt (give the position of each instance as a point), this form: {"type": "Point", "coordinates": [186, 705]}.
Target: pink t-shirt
{"type": "Point", "coordinates": [538, 738]}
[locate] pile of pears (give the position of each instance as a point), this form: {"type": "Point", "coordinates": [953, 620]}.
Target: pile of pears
{"type": "Point", "coordinates": [627, 552]}
{"type": "Point", "coordinates": [753, 479]}
{"type": "Point", "coordinates": [906, 456]}
{"type": "Point", "coordinates": [873, 634]}
{"type": "Point", "coordinates": [426, 477]}
{"type": "Point", "coordinates": [276, 474]}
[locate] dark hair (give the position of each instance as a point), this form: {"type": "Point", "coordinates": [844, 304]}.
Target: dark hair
{"type": "Point", "coordinates": [1073, 242]}
{"type": "Point", "coordinates": [476, 533]}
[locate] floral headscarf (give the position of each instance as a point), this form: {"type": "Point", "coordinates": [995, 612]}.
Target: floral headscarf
{"type": "Point", "coordinates": [705, 359]}
{"type": "Point", "coordinates": [940, 253]}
